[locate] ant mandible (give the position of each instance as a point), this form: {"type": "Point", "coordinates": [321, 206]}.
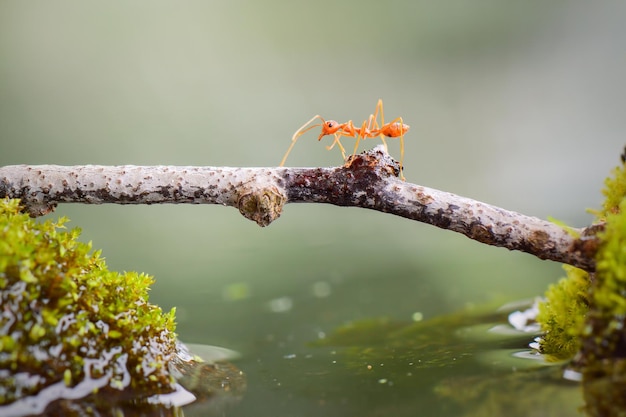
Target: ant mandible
{"type": "Point", "coordinates": [369, 129]}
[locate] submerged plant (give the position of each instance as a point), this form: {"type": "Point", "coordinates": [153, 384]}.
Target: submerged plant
{"type": "Point", "coordinates": [69, 327]}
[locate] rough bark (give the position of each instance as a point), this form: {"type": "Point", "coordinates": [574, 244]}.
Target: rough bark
{"type": "Point", "coordinates": [369, 180]}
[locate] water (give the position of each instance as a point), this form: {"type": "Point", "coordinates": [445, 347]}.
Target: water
{"type": "Point", "coordinates": [448, 366]}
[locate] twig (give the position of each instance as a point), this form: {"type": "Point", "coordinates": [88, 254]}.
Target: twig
{"type": "Point", "coordinates": [368, 180]}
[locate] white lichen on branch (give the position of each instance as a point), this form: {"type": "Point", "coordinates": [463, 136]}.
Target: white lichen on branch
{"type": "Point", "coordinates": [368, 180]}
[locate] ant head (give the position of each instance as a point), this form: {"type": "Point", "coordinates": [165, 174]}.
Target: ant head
{"type": "Point", "coordinates": [329, 127]}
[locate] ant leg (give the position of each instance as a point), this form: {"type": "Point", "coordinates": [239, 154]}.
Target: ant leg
{"type": "Point", "coordinates": [361, 133]}
{"type": "Point", "coordinates": [343, 150]}
{"type": "Point", "coordinates": [377, 131]}
{"type": "Point", "coordinates": [373, 129]}
{"type": "Point", "coordinates": [382, 122]}
{"type": "Point", "coordinates": [401, 150]}
{"type": "Point", "coordinates": [378, 128]}
{"type": "Point", "coordinates": [398, 124]}
{"type": "Point", "coordinates": [298, 133]}
{"type": "Point", "coordinates": [338, 143]}
{"type": "Point", "coordinates": [379, 108]}
{"type": "Point", "coordinates": [382, 137]}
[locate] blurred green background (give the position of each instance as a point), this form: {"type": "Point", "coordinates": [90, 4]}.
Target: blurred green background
{"type": "Point", "coordinates": [518, 104]}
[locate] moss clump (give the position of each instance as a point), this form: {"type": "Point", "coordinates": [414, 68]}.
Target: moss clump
{"type": "Point", "coordinates": [606, 321]}
{"type": "Point", "coordinates": [614, 191]}
{"type": "Point", "coordinates": [66, 319]}
{"type": "Point", "coordinates": [603, 353]}
{"type": "Point", "coordinates": [562, 315]}
{"type": "Point", "coordinates": [565, 315]}
{"type": "Point", "coordinates": [608, 316]}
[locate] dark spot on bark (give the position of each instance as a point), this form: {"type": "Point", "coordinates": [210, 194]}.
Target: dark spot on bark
{"type": "Point", "coordinates": [539, 239]}
{"type": "Point", "coordinates": [481, 233]}
{"type": "Point", "coordinates": [441, 219]}
{"type": "Point", "coordinates": [165, 192]}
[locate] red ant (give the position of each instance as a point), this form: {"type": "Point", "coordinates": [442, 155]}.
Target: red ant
{"type": "Point", "coordinates": [369, 129]}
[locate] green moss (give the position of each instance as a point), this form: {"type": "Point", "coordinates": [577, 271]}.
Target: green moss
{"type": "Point", "coordinates": [67, 319]}
{"type": "Point", "coordinates": [574, 309]}
{"type": "Point", "coordinates": [614, 191]}
{"type": "Point", "coordinates": [562, 315]}
{"type": "Point", "coordinates": [603, 352]}
{"type": "Point", "coordinates": [604, 334]}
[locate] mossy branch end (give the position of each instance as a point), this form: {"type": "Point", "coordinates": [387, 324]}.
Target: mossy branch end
{"type": "Point", "coordinates": [368, 180]}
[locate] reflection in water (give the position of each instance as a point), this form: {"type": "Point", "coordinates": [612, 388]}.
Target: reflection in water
{"type": "Point", "coordinates": [209, 378]}
{"type": "Point", "coordinates": [206, 386]}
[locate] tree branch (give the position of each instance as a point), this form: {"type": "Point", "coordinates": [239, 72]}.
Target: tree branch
{"type": "Point", "coordinates": [368, 180]}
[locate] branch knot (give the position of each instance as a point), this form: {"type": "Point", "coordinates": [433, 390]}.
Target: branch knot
{"type": "Point", "coordinates": [262, 206]}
